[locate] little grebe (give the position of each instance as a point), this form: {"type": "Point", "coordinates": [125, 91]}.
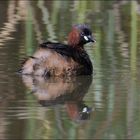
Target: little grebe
{"type": "Point", "coordinates": [56, 59]}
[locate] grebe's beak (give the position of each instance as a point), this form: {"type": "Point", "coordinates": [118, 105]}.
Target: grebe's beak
{"type": "Point", "coordinates": [91, 39]}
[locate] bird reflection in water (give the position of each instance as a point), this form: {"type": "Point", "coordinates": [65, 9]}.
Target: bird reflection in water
{"type": "Point", "coordinates": [68, 91]}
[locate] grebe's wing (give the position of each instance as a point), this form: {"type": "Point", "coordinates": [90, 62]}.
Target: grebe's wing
{"type": "Point", "coordinates": [62, 49]}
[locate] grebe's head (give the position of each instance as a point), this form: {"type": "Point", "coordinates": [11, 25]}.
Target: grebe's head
{"type": "Point", "coordinates": [80, 35]}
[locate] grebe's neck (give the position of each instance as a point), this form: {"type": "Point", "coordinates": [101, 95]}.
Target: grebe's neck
{"type": "Point", "coordinates": [74, 39]}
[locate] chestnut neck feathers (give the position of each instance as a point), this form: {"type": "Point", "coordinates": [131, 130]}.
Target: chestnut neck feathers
{"type": "Point", "coordinates": [73, 38]}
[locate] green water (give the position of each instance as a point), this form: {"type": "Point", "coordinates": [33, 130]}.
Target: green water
{"type": "Point", "coordinates": [37, 108]}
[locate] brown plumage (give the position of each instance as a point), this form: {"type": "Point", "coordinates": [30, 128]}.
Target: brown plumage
{"type": "Point", "coordinates": [56, 59]}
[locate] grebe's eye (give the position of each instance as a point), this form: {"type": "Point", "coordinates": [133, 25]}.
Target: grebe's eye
{"type": "Point", "coordinates": [82, 34]}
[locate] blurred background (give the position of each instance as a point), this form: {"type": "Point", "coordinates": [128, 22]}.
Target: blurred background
{"type": "Point", "coordinates": [104, 105]}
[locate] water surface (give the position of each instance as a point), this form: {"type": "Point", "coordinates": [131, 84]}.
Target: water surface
{"type": "Point", "coordinates": [104, 105]}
